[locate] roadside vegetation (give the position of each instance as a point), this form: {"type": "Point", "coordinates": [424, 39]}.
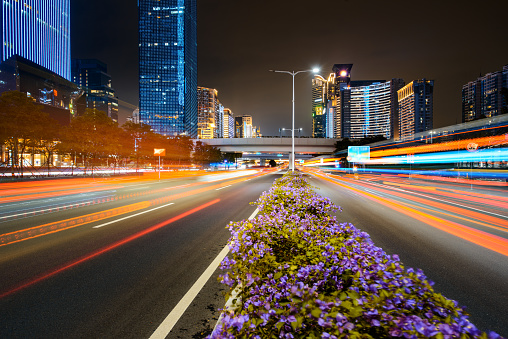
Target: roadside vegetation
{"type": "Point", "coordinates": [294, 271]}
{"type": "Point", "coordinates": [92, 139]}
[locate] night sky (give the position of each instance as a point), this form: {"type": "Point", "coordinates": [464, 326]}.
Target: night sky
{"type": "Point", "coordinates": [451, 42]}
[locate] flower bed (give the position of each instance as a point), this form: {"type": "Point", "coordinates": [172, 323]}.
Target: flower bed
{"type": "Point", "coordinates": [298, 273]}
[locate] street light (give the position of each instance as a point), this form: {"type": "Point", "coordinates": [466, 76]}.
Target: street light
{"type": "Point", "coordinates": [293, 74]}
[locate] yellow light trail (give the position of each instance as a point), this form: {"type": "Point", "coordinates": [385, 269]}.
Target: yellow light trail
{"type": "Point", "coordinates": [484, 239]}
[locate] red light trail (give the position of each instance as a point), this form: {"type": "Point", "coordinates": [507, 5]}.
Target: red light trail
{"type": "Point", "coordinates": [105, 249]}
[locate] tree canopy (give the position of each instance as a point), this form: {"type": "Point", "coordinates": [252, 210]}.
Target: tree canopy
{"type": "Point", "coordinates": [92, 138]}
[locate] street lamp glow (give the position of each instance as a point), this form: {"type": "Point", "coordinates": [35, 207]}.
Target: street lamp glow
{"type": "Point", "coordinates": [293, 74]}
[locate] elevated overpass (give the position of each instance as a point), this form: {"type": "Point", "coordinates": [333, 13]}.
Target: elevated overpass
{"type": "Point", "coordinates": [277, 148]}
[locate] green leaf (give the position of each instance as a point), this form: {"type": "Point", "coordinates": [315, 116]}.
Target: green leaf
{"type": "Point", "coordinates": [316, 312]}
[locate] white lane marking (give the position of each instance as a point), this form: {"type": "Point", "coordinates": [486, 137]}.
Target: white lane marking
{"type": "Point", "coordinates": [167, 325]}
{"type": "Point", "coordinates": [253, 215]}
{"type": "Point", "coordinates": [133, 215]}
{"type": "Point", "coordinates": [137, 188]}
{"type": "Point", "coordinates": [218, 189]}
{"type": "Point", "coordinates": [173, 187]}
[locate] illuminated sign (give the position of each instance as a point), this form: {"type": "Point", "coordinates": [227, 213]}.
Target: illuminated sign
{"type": "Point", "coordinates": [358, 153]}
{"type": "Point", "coordinates": [159, 151]}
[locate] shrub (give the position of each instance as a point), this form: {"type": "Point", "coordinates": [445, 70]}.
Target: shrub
{"type": "Point", "coordinates": [299, 273]}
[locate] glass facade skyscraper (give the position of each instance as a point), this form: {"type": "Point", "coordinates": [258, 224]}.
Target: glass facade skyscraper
{"type": "Point", "coordinates": [39, 31]}
{"type": "Point", "coordinates": [92, 76]}
{"type": "Point", "coordinates": [485, 97]}
{"type": "Point", "coordinates": [168, 66]}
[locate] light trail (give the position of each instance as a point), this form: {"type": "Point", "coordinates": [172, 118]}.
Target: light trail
{"type": "Point", "coordinates": [50, 228]}
{"type": "Point", "coordinates": [443, 205]}
{"type": "Point", "coordinates": [481, 238]}
{"type": "Point", "coordinates": [56, 194]}
{"type": "Point", "coordinates": [106, 249]}
{"type": "Point", "coordinates": [58, 226]}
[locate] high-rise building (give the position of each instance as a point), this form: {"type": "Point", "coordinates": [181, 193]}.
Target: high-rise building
{"type": "Point", "coordinates": [243, 127]}
{"type": "Point", "coordinates": [354, 109]}
{"type": "Point", "coordinates": [210, 114]}
{"type": "Point", "coordinates": [229, 124]}
{"type": "Point", "coordinates": [416, 101]}
{"type": "Point", "coordinates": [92, 76]}
{"type": "Point", "coordinates": [338, 81]}
{"type": "Point", "coordinates": [58, 97]}
{"type": "Point", "coordinates": [370, 111]}
{"type": "Point", "coordinates": [319, 88]}
{"type": "Point", "coordinates": [39, 31]}
{"type": "Point", "coordinates": [485, 97]}
{"type": "Point", "coordinates": [168, 66]}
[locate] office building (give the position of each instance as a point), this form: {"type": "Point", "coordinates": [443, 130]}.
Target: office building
{"type": "Point", "coordinates": [134, 117]}
{"type": "Point", "coordinates": [485, 97]}
{"type": "Point", "coordinates": [243, 127]}
{"type": "Point", "coordinates": [229, 124]}
{"type": "Point", "coordinates": [416, 101]}
{"type": "Point", "coordinates": [168, 66]}
{"type": "Point", "coordinates": [354, 109]}
{"type": "Point", "coordinates": [58, 96]}
{"type": "Point", "coordinates": [338, 81]}
{"type": "Point", "coordinates": [38, 31]}
{"type": "Point", "coordinates": [92, 77]}
{"type": "Point", "coordinates": [370, 111]}
{"type": "Point", "coordinates": [319, 88]}
{"type": "Point", "coordinates": [210, 114]}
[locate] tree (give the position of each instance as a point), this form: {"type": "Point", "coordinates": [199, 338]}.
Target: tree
{"type": "Point", "coordinates": [136, 136]}
{"type": "Point", "coordinates": [90, 135]}
{"type": "Point", "coordinates": [206, 154]}
{"type": "Point", "coordinates": [48, 139]}
{"type": "Point", "coordinates": [23, 124]}
{"type": "Point", "coordinates": [182, 147]}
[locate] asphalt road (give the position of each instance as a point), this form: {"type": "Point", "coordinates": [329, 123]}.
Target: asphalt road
{"type": "Point", "coordinates": [436, 234]}
{"type": "Point", "coordinates": [61, 277]}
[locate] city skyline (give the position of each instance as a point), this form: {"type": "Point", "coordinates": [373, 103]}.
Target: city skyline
{"type": "Point", "coordinates": [384, 40]}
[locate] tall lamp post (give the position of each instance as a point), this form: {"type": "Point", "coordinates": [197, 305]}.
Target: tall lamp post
{"type": "Point", "coordinates": [293, 74]}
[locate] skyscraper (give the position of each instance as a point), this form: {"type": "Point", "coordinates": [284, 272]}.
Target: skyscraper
{"type": "Point", "coordinates": [229, 124]}
{"type": "Point", "coordinates": [354, 109]}
{"type": "Point", "coordinates": [168, 66]}
{"type": "Point", "coordinates": [370, 111]}
{"type": "Point", "coordinates": [210, 114]}
{"type": "Point", "coordinates": [92, 76]}
{"type": "Point", "coordinates": [243, 126]}
{"type": "Point", "coordinates": [39, 31]}
{"type": "Point", "coordinates": [416, 108]}
{"type": "Point", "coordinates": [319, 87]}
{"type": "Point", "coordinates": [485, 97]}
